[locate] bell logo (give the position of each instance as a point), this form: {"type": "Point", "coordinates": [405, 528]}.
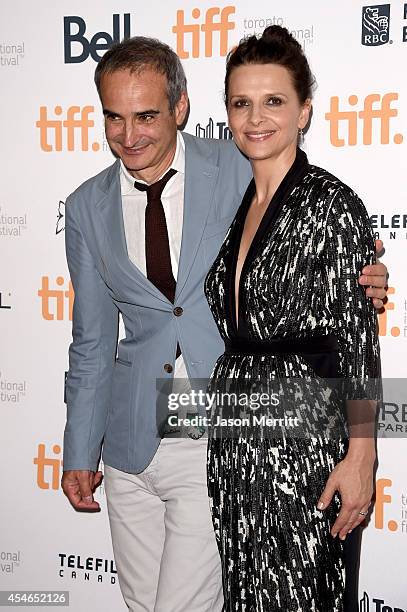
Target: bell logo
{"type": "Point", "coordinates": [221, 25]}
{"type": "Point", "coordinates": [42, 462]}
{"type": "Point", "coordinates": [383, 326]}
{"type": "Point", "coordinates": [101, 41]}
{"type": "Point", "coordinates": [383, 498]}
{"type": "Point", "coordinates": [63, 131]}
{"type": "Point", "coordinates": [56, 303]}
{"type": "Point", "coordinates": [375, 108]}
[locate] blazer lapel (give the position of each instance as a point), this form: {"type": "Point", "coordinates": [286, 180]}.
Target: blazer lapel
{"type": "Point", "coordinates": [200, 181]}
{"type": "Point", "coordinates": [110, 210]}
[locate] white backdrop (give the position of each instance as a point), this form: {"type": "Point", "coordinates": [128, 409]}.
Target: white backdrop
{"type": "Point", "coordinates": [52, 139]}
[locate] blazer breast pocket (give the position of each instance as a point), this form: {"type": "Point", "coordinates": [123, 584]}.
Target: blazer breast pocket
{"type": "Point", "coordinates": [213, 238]}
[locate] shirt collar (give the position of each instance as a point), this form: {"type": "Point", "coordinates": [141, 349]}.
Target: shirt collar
{"type": "Point", "coordinates": [178, 163]}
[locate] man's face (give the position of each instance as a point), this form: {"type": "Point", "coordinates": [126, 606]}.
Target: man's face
{"type": "Point", "coordinates": [139, 126]}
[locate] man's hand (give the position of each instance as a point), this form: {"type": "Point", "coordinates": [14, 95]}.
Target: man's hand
{"type": "Point", "coordinates": [375, 277]}
{"type": "Point", "coordinates": [79, 486]}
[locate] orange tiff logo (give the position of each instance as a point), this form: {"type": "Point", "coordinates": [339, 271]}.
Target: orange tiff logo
{"type": "Point", "coordinates": [221, 26]}
{"type": "Point", "coordinates": [377, 111]}
{"type": "Point", "coordinates": [48, 468]}
{"type": "Point", "coordinates": [383, 498]}
{"type": "Point", "coordinates": [382, 317]}
{"type": "Point", "coordinates": [62, 133]}
{"type": "Point", "coordinates": [56, 303]}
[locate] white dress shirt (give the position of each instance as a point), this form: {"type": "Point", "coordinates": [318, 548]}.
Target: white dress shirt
{"type": "Point", "coordinates": [134, 203]}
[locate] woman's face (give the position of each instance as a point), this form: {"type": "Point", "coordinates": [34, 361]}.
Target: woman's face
{"type": "Point", "coordinates": [264, 111]}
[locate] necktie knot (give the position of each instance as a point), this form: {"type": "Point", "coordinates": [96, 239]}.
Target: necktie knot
{"type": "Point", "coordinates": [155, 190]}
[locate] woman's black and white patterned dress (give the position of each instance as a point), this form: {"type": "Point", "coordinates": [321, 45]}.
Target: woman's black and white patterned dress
{"type": "Point", "coordinates": [298, 283]}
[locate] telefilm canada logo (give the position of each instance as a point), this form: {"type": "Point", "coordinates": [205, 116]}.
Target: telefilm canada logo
{"type": "Point", "coordinates": [389, 226]}
{"type": "Point", "coordinates": [375, 604]}
{"type": "Point", "coordinates": [375, 25]}
{"type": "Point", "coordinates": [95, 569]}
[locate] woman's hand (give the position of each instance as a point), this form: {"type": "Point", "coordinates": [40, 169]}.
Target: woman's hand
{"type": "Point", "coordinates": [353, 479]}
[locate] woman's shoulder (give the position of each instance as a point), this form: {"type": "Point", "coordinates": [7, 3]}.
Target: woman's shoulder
{"type": "Point", "coordinates": [330, 191]}
{"type": "Point", "coordinates": [328, 183]}
{"type": "Point", "coordinates": [337, 198]}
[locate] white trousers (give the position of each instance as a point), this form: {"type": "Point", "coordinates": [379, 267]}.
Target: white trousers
{"type": "Point", "coordinates": [163, 540]}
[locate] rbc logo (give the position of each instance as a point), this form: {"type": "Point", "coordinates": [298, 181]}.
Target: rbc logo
{"type": "Point", "coordinates": [375, 25]}
{"type": "Point", "coordinates": [101, 41]}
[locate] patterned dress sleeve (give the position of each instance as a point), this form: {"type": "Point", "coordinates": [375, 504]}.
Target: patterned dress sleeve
{"type": "Point", "coordinates": [348, 247]}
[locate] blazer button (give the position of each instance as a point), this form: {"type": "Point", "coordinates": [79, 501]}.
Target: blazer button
{"type": "Point", "coordinates": [168, 368]}
{"type": "Point", "coordinates": [178, 311]}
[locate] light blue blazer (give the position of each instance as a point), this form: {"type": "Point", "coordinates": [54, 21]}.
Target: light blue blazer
{"type": "Point", "coordinates": [111, 387]}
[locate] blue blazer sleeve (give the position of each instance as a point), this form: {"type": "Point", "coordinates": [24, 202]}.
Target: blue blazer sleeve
{"type": "Point", "coordinates": [91, 353]}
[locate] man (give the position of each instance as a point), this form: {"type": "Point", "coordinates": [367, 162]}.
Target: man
{"type": "Point", "coordinates": [144, 253]}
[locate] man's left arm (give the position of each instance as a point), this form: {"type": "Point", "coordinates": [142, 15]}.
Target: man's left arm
{"type": "Point", "coordinates": [374, 277]}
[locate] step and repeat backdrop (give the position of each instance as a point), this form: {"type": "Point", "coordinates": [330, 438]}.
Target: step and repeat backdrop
{"type": "Point", "coordinates": [52, 139]}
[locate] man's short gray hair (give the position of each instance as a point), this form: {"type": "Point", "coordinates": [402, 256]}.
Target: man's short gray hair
{"type": "Point", "coordinates": [136, 54]}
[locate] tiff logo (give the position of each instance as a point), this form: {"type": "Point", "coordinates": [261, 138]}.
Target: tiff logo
{"type": "Point", "coordinates": [222, 26]}
{"type": "Point", "coordinates": [61, 300]}
{"type": "Point", "coordinates": [42, 461]}
{"type": "Point", "coordinates": [375, 25]}
{"type": "Point", "coordinates": [376, 108]}
{"type": "Point", "coordinates": [57, 133]}
{"type": "Point", "coordinates": [101, 41]}
{"type": "Point", "coordinates": [382, 317]}
{"type": "Point", "coordinates": [383, 498]}
{"type": "Point", "coordinates": [208, 131]}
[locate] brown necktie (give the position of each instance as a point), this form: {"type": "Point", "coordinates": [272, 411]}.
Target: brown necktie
{"type": "Point", "coordinates": [158, 258]}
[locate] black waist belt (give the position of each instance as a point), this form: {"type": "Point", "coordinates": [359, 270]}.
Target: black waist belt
{"type": "Point", "coordinates": [310, 345]}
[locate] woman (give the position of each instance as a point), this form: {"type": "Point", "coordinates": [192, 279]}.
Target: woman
{"type": "Point", "coordinates": [285, 298]}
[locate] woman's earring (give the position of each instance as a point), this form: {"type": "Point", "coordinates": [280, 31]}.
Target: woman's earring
{"type": "Point", "coordinates": [300, 136]}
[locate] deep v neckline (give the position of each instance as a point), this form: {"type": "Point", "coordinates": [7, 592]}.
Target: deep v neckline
{"type": "Point", "coordinates": [294, 175]}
